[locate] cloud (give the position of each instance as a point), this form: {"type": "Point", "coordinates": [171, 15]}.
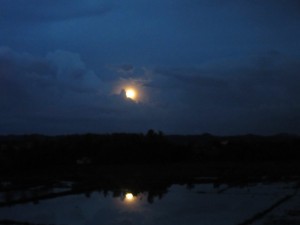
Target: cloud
{"type": "Point", "coordinates": [59, 68]}
{"type": "Point", "coordinates": [71, 72]}
{"type": "Point", "coordinates": [124, 70]}
{"type": "Point", "coordinates": [57, 93]}
{"type": "Point", "coordinates": [58, 85]}
{"type": "Point", "coordinates": [250, 94]}
{"type": "Point", "coordinates": [271, 70]}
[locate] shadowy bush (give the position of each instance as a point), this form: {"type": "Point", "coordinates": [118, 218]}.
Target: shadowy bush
{"type": "Point", "coordinates": [36, 151]}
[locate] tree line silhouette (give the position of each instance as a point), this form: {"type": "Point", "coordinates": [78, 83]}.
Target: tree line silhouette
{"type": "Point", "coordinates": [32, 165]}
{"type": "Point", "coordinates": [151, 148]}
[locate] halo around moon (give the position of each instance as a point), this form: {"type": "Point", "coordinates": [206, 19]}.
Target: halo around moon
{"type": "Point", "coordinates": [131, 89]}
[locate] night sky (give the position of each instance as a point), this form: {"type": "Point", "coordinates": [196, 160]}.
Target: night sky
{"type": "Point", "coordinates": [223, 67]}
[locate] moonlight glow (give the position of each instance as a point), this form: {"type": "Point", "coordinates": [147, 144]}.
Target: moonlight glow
{"type": "Point", "coordinates": [130, 93]}
{"type": "Point", "coordinates": [129, 197]}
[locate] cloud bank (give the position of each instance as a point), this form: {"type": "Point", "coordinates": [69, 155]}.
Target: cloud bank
{"type": "Point", "coordinates": [256, 94]}
{"type": "Point", "coordinates": [57, 93]}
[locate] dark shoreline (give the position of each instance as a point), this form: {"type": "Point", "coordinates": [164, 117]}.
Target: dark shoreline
{"type": "Point", "coordinates": [145, 163]}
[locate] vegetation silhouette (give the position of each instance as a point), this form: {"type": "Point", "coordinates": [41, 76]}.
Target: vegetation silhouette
{"type": "Point", "coordinates": [33, 165]}
{"type": "Point", "coordinates": [154, 147]}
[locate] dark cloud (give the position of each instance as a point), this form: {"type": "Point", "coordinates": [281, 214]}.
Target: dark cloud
{"type": "Point", "coordinates": [193, 76]}
{"type": "Point", "coordinates": [48, 85]}
{"type": "Point", "coordinates": [59, 68]}
{"type": "Point", "coordinates": [125, 70]}
{"type": "Point", "coordinates": [232, 94]}
{"type": "Point", "coordinates": [57, 93]}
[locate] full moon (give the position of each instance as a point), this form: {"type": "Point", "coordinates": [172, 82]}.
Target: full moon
{"type": "Point", "coordinates": [130, 93]}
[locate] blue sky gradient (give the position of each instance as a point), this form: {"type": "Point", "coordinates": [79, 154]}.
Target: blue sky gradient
{"type": "Point", "coordinates": [224, 67]}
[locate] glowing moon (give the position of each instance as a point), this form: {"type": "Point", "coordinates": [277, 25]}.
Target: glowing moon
{"type": "Point", "coordinates": [130, 93]}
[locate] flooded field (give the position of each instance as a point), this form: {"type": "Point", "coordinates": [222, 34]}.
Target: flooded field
{"type": "Point", "coordinates": [205, 202]}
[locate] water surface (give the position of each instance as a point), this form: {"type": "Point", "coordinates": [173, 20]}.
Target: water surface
{"type": "Point", "coordinates": [205, 204]}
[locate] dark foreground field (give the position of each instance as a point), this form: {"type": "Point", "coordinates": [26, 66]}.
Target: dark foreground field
{"type": "Point", "coordinates": [140, 160]}
{"type": "Point", "coordinates": [34, 167]}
